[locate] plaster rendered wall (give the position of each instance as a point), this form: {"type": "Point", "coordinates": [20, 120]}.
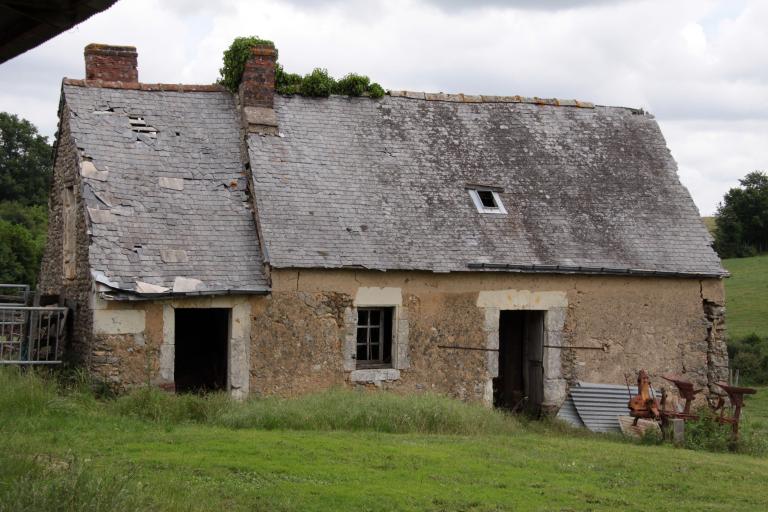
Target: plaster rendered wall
{"type": "Point", "coordinates": [607, 326]}
{"type": "Point", "coordinates": [74, 293]}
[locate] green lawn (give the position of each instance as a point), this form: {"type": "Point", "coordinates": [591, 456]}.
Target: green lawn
{"type": "Point", "coordinates": [71, 452]}
{"type": "Point", "coordinates": [756, 408]}
{"type": "Point", "coordinates": [67, 451]}
{"type": "Point", "coordinates": [747, 296]}
{"type": "Point", "coordinates": [206, 468]}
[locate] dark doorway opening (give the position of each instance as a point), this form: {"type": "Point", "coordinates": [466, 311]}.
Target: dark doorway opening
{"type": "Point", "coordinates": [202, 341]}
{"type": "Point", "coordinates": [520, 384]}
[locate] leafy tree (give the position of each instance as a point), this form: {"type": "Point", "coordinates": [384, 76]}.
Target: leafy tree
{"type": "Point", "coordinates": [750, 356]}
{"type": "Point", "coordinates": [33, 218]}
{"type": "Point", "coordinates": [742, 218]}
{"type": "Point", "coordinates": [25, 171]}
{"type": "Point", "coordinates": [19, 258]}
{"type": "Point", "coordinates": [25, 161]}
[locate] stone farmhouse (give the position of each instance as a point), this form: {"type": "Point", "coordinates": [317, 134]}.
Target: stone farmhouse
{"type": "Point", "coordinates": [493, 249]}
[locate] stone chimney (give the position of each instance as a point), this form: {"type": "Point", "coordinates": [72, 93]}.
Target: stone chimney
{"type": "Point", "coordinates": [111, 63]}
{"type": "Point", "coordinates": [257, 91]}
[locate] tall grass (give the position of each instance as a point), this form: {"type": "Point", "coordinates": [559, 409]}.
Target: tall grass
{"type": "Point", "coordinates": [335, 409]}
{"type": "Point", "coordinates": [47, 484]}
{"type": "Point", "coordinates": [24, 392]}
{"type": "Point", "coordinates": [32, 393]}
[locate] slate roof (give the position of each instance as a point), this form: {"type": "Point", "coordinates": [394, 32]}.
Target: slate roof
{"type": "Point", "coordinates": [168, 205]}
{"type": "Point", "coordinates": [382, 184]}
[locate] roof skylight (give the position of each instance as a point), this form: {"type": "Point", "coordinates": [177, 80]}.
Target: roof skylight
{"type": "Point", "coordinates": [487, 200]}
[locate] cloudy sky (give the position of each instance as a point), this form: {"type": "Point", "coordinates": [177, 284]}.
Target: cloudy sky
{"type": "Point", "coordinates": [700, 66]}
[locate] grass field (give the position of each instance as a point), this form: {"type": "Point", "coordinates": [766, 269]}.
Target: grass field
{"type": "Point", "coordinates": [756, 408]}
{"type": "Point", "coordinates": [747, 296]}
{"type": "Point", "coordinates": [65, 450]}
{"type": "Point", "coordinates": [710, 223]}
{"type": "Point", "coordinates": [71, 452]}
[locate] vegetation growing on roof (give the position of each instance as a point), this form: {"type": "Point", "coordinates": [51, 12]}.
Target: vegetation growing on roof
{"type": "Point", "coordinates": [318, 83]}
{"type": "Point", "coordinates": [235, 58]}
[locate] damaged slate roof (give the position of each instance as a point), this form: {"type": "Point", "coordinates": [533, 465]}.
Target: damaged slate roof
{"type": "Point", "coordinates": [164, 186]}
{"type": "Point", "coordinates": [382, 184]}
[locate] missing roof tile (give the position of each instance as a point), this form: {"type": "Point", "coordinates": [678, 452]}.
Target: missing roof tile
{"type": "Point", "coordinates": [139, 125]}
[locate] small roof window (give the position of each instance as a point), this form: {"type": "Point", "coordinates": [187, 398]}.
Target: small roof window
{"type": "Point", "coordinates": [486, 200]}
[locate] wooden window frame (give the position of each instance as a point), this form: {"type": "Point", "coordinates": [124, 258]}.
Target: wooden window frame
{"type": "Point", "coordinates": [382, 330]}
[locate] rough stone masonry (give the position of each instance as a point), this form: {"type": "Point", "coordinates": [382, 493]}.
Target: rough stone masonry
{"type": "Point", "coordinates": [344, 240]}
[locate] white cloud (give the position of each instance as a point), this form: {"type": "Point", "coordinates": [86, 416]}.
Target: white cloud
{"type": "Point", "coordinates": [698, 65]}
{"type": "Point", "coordinates": [713, 155]}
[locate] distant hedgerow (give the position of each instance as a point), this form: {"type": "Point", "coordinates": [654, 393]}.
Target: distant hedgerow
{"type": "Point", "coordinates": [750, 355]}
{"type": "Point", "coordinates": [318, 83]}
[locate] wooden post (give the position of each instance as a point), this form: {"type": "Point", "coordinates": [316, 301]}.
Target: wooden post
{"type": "Point", "coordinates": [678, 431]}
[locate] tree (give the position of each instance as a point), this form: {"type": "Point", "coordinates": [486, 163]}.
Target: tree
{"type": "Point", "coordinates": [19, 258]}
{"type": "Point", "coordinates": [25, 161]}
{"type": "Point", "coordinates": [742, 218]}
{"type": "Point", "coordinates": [25, 173]}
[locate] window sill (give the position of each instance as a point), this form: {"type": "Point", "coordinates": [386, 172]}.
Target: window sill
{"type": "Point", "coordinates": [374, 375]}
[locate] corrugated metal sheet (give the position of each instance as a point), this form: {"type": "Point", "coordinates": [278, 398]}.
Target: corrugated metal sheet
{"type": "Point", "coordinates": [569, 414]}
{"type": "Point", "coordinates": [597, 406]}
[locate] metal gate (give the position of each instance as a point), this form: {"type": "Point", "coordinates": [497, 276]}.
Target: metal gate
{"type": "Point", "coordinates": [29, 334]}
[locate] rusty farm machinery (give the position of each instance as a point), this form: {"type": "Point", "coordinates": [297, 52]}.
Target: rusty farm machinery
{"type": "Point", "coordinates": [645, 405]}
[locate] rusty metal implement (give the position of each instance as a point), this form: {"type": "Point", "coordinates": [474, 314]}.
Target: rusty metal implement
{"type": "Point", "coordinates": [736, 397]}
{"type": "Point", "coordinates": [644, 405]}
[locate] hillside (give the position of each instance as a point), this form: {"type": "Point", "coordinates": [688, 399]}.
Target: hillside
{"type": "Point", "coordinates": [710, 223]}
{"type": "Point", "coordinates": [747, 296]}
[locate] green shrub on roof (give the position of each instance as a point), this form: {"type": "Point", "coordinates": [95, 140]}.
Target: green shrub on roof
{"type": "Point", "coordinates": [318, 83]}
{"type": "Point", "coordinates": [234, 60]}
{"type": "Point", "coordinates": [287, 83]}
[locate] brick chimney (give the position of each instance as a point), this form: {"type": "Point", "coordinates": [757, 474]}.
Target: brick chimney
{"type": "Point", "coordinates": [111, 63]}
{"type": "Point", "coordinates": [257, 91]}
{"type": "Point", "coordinates": [257, 87]}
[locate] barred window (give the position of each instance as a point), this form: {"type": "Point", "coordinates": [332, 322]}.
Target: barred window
{"type": "Point", "coordinates": [374, 337]}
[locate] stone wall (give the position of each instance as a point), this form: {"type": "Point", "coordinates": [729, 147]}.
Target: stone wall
{"type": "Point", "coordinates": [606, 326]}
{"type": "Point", "coordinates": [74, 293]}
{"type": "Point", "coordinates": [717, 350]}
{"type": "Point", "coordinates": [134, 342]}
{"type": "Point", "coordinates": [300, 338]}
